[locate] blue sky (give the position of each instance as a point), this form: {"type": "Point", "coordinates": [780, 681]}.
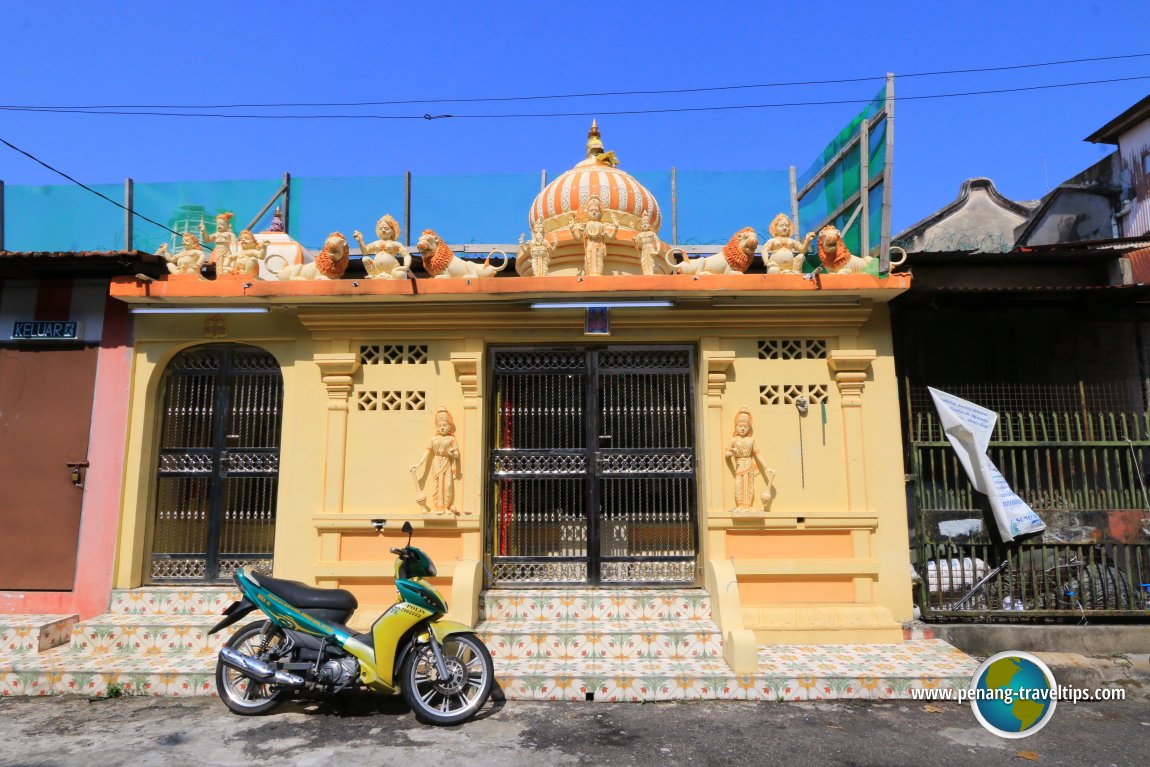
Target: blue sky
{"type": "Point", "coordinates": [68, 53]}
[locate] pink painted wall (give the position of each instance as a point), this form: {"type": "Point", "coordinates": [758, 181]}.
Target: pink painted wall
{"type": "Point", "coordinates": [102, 482]}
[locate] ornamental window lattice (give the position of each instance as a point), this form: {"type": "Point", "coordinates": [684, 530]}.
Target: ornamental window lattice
{"type": "Point", "coordinates": [786, 394]}
{"type": "Point", "coordinates": [393, 354]}
{"type": "Point", "coordinates": [793, 349]}
{"type": "Point", "coordinates": [376, 400]}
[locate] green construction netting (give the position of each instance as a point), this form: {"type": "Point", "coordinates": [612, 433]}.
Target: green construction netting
{"type": "Point", "coordinates": [842, 182]}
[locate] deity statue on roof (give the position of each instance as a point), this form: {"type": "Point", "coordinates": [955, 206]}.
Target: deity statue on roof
{"type": "Point", "coordinates": [594, 234]}
{"type": "Point", "coordinates": [187, 260]}
{"type": "Point", "coordinates": [784, 253]}
{"type": "Point", "coordinates": [224, 240]}
{"type": "Point", "coordinates": [246, 260]}
{"type": "Point", "coordinates": [392, 260]}
{"type": "Point", "coordinates": [538, 249]}
{"type": "Point", "coordinates": [647, 243]}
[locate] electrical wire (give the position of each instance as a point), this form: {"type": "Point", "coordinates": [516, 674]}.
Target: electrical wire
{"type": "Point", "coordinates": [597, 113]}
{"type": "Point", "coordinates": [594, 94]}
{"type": "Point", "coordinates": [82, 185]}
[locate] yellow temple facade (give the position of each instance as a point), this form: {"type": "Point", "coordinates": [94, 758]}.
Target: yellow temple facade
{"type": "Point", "coordinates": [604, 412]}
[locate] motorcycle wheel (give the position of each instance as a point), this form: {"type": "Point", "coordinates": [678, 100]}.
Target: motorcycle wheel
{"type": "Point", "coordinates": [456, 698]}
{"type": "Point", "coordinates": [241, 694]}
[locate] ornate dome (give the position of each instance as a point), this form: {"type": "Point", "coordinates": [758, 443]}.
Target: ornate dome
{"type": "Point", "coordinates": [596, 175]}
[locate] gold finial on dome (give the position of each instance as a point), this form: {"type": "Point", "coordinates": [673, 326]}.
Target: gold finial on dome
{"type": "Point", "coordinates": [595, 147]}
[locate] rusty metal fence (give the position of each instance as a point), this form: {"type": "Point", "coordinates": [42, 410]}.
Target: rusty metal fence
{"type": "Point", "coordinates": [1079, 459]}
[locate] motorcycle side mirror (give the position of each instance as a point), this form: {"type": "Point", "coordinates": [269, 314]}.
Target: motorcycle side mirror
{"type": "Point", "coordinates": [407, 528]}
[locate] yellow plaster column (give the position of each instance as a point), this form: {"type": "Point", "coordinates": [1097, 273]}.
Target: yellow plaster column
{"type": "Point", "coordinates": [338, 371]}
{"type": "Point", "coordinates": [849, 368]}
{"type": "Point", "coordinates": [718, 363]}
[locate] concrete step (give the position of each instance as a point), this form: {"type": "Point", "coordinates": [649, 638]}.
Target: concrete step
{"type": "Point", "coordinates": [621, 604]}
{"type": "Point", "coordinates": [149, 634]}
{"type": "Point", "coordinates": [34, 633]}
{"type": "Point", "coordinates": [173, 600]}
{"type": "Point", "coordinates": [602, 640]}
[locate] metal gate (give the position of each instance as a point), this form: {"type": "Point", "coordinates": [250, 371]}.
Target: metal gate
{"type": "Point", "coordinates": [218, 465]}
{"type": "Point", "coordinates": [593, 466]}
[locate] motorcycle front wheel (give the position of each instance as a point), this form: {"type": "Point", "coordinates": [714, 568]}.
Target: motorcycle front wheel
{"type": "Point", "coordinates": [459, 696]}
{"type": "Point", "coordinates": [241, 694]}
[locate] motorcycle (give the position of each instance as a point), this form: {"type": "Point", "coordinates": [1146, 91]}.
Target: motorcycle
{"type": "Point", "coordinates": [442, 668]}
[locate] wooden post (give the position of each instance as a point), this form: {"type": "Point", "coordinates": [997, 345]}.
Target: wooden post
{"type": "Point", "coordinates": [543, 180]}
{"type": "Point", "coordinates": [674, 207]}
{"type": "Point", "coordinates": [129, 216]}
{"type": "Point", "coordinates": [864, 187]}
{"type": "Point", "coordinates": [1, 215]}
{"type": "Point", "coordinates": [794, 206]}
{"type": "Point", "coordinates": [888, 167]}
{"type": "Point", "coordinates": [407, 208]}
{"type": "Point", "coordinates": [287, 203]}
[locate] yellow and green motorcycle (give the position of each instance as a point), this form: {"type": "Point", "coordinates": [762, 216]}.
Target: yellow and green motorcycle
{"type": "Point", "coordinates": [442, 668]}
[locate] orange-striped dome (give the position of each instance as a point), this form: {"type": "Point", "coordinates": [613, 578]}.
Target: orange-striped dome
{"type": "Point", "coordinates": [596, 175]}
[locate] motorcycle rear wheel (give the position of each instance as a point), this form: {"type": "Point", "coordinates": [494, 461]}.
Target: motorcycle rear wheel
{"type": "Point", "coordinates": [456, 698]}
{"type": "Point", "coordinates": [243, 695]}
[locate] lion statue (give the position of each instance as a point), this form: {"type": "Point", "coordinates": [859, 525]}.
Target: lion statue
{"type": "Point", "coordinates": [329, 264]}
{"type": "Point", "coordinates": [834, 255]}
{"type": "Point", "coordinates": [735, 258]}
{"type": "Point", "coordinates": [439, 259]}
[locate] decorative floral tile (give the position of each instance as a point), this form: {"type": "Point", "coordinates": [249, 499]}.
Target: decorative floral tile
{"type": "Point", "coordinates": [34, 633]}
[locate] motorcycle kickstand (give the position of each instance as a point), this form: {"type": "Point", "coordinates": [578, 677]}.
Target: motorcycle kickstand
{"type": "Point", "coordinates": [440, 664]}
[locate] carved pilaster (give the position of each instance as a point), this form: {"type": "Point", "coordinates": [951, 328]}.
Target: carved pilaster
{"type": "Point", "coordinates": [467, 366]}
{"type": "Point", "coordinates": [849, 368]}
{"type": "Point", "coordinates": [338, 375]}
{"type": "Point", "coordinates": [718, 365]}
{"type": "Point", "coordinates": [338, 372]}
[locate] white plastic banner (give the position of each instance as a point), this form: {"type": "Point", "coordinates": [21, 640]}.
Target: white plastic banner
{"type": "Point", "coordinates": [968, 427]}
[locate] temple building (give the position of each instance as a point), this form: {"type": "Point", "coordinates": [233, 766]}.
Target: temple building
{"type": "Point", "coordinates": [595, 427]}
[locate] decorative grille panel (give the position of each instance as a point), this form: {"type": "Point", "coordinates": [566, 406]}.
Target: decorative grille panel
{"type": "Point", "coordinates": [366, 399]}
{"type": "Point", "coordinates": [648, 572]}
{"type": "Point", "coordinates": [393, 354]}
{"type": "Point", "coordinates": [539, 572]}
{"type": "Point", "coordinates": [793, 349]}
{"type": "Point", "coordinates": [786, 394]}
{"type": "Point", "coordinates": [540, 360]}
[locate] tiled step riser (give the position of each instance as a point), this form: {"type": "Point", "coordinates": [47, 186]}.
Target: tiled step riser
{"type": "Point", "coordinates": [34, 633]}
{"type": "Point", "coordinates": [98, 639]}
{"type": "Point", "coordinates": [557, 607]}
{"type": "Point", "coordinates": [95, 683]}
{"type": "Point", "coordinates": [653, 688]}
{"type": "Point", "coordinates": [172, 601]}
{"type": "Point", "coordinates": [626, 645]}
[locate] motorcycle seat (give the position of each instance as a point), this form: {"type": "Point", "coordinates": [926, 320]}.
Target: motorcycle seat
{"type": "Point", "coordinates": [308, 597]}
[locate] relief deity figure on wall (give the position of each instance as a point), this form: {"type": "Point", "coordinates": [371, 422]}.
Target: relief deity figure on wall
{"type": "Point", "coordinates": [223, 241]}
{"type": "Point", "coordinates": [743, 458]}
{"type": "Point", "coordinates": [392, 260]}
{"type": "Point", "coordinates": [189, 259]}
{"type": "Point", "coordinates": [647, 243]}
{"type": "Point", "coordinates": [539, 249]}
{"type": "Point", "coordinates": [784, 253]}
{"type": "Point", "coordinates": [594, 234]}
{"type": "Point", "coordinates": [440, 462]}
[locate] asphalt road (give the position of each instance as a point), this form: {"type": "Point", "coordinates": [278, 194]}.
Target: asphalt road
{"type": "Point", "coordinates": [365, 731]}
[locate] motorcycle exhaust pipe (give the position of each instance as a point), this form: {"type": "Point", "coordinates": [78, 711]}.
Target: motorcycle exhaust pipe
{"type": "Point", "coordinates": [256, 669]}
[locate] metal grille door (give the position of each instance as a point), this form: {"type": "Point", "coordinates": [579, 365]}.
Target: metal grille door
{"type": "Point", "coordinates": [218, 465]}
{"type": "Point", "coordinates": [593, 466]}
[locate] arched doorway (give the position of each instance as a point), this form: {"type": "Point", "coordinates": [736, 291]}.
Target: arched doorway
{"type": "Point", "coordinates": [217, 470]}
